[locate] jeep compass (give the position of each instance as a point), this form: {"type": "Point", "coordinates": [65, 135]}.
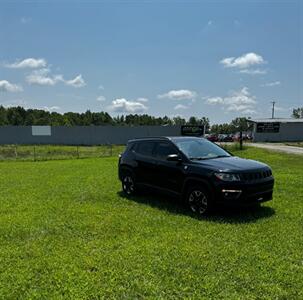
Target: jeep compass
{"type": "Point", "coordinates": [199, 171]}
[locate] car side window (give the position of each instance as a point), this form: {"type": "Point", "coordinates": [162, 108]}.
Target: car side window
{"type": "Point", "coordinates": [164, 149]}
{"type": "Point", "coordinates": [145, 148]}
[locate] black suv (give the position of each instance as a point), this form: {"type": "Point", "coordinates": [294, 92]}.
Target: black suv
{"type": "Point", "coordinates": [196, 169]}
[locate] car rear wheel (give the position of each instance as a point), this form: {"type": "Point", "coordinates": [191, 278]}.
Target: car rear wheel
{"type": "Point", "coordinates": [128, 184]}
{"type": "Point", "coordinates": [198, 200]}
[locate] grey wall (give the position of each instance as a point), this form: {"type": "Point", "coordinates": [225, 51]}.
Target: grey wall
{"type": "Point", "coordinates": [83, 135]}
{"type": "Point", "coordinates": [289, 132]}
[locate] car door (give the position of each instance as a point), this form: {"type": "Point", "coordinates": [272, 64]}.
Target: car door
{"type": "Point", "coordinates": [169, 174]}
{"type": "Point", "coordinates": [146, 163]}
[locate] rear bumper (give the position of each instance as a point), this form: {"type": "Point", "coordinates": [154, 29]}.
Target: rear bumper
{"type": "Point", "coordinates": [242, 194]}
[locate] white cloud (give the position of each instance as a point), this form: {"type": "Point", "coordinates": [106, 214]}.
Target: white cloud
{"type": "Point", "coordinates": [215, 100]}
{"type": "Point", "coordinates": [101, 87]}
{"type": "Point", "coordinates": [238, 101]}
{"type": "Point", "coordinates": [253, 71]}
{"type": "Point", "coordinates": [242, 110]}
{"type": "Point", "coordinates": [28, 63]}
{"type": "Point", "coordinates": [269, 84]}
{"type": "Point", "coordinates": [123, 105]}
{"type": "Point", "coordinates": [42, 77]}
{"type": "Point", "coordinates": [101, 98]}
{"type": "Point", "coordinates": [77, 82]}
{"type": "Point", "coordinates": [180, 106]}
{"type": "Point", "coordinates": [52, 108]}
{"type": "Point", "coordinates": [142, 99]}
{"type": "Point", "coordinates": [240, 97]}
{"type": "Point", "coordinates": [178, 95]}
{"type": "Point", "coordinates": [209, 23]}
{"type": "Point", "coordinates": [245, 61]}
{"type": "Point", "coordinates": [6, 86]}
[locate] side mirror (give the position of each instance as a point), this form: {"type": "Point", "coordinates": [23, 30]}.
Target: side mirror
{"type": "Point", "coordinates": [174, 157]}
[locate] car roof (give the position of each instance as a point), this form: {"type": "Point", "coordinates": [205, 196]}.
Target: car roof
{"type": "Point", "coordinates": [165, 138]}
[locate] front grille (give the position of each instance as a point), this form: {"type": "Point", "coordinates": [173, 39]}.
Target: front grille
{"type": "Point", "coordinates": [254, 176]}
{"type": "Point", "coordinates": [259, 188]}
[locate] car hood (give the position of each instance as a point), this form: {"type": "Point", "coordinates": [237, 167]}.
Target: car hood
{"type": "Point", "coordinates": [232, 163]}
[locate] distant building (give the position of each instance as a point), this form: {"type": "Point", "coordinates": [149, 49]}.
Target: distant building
{"type": "Point", "coordinates": [277, 130]}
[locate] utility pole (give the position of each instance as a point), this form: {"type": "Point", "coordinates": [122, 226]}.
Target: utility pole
{"type": "Point", "coordinates": [273, 109]}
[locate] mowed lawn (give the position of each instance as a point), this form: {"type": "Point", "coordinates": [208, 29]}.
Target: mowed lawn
{"type": "Point", "coordinates": [66, 232]}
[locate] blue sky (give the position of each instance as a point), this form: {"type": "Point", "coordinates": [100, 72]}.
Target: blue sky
{"type": "Point", "coordinates": [215, 59]}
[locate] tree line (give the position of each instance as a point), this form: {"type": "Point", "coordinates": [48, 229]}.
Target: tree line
{"type": "Point", "coordinates": [20, 116]}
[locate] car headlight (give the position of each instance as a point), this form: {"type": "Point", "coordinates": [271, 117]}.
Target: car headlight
{"type": "Point", "coordinates": [227, 176]}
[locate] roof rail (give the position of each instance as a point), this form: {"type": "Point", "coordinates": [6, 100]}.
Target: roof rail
{"type": "Point", "coordinates": [148, 138]}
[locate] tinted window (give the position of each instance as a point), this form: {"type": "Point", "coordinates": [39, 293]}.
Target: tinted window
{"type": "Point", "coordinates": [145, 148]}
{"type": "Point", "coordinates": [164, 149]}
{"type": "Point", "coordinates": [200, 148]}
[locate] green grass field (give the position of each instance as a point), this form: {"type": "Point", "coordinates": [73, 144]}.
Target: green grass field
{"type": "Point", "coordinates": [66, 232]}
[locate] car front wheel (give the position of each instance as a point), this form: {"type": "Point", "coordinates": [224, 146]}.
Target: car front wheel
{"type": "Point", "coordinates": [198, 200]}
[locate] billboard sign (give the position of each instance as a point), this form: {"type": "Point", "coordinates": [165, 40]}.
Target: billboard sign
{"type": "Point", "coordinates": [270, 127]}
{"type": "Point", "coordinates": [192, 130]}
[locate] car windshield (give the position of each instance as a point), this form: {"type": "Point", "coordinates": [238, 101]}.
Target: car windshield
{"type": "Point", "coordinates": [200, 149]}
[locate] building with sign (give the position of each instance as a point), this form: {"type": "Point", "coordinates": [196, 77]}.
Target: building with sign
{"type": "Point", "coordinates": [277, 130]}
{"type": "Point", "coordinates": [193, 130]}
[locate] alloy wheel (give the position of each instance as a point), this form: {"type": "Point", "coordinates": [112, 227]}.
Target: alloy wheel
{"type": "Point", "coordinates": [128, 185]}
{"type": "Point", "coordinates": [198, 202]}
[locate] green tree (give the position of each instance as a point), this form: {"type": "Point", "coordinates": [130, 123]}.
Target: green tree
{"type": "Point", "coordinates": [179, 121]}
{"type": "Point", "coordinates": [297, 113]}
{"type": "Point", "coordinates": [193, 121]}
{"type": "Point", "coordinates": [3, 116]}
{"type": "Point", "coordinates": [239, 124]}
{"type": "Point", "coordinates": [205, 121]}
{"type": "Point", "coordinates": [16, 115]}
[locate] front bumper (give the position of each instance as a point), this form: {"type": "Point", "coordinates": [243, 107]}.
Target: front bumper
{"type": "Point", "coordinates": [244, 193]}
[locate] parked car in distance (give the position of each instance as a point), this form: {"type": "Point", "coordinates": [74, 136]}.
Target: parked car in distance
{"type": "Point", "coordinates": [246, 136]}
{"type": "Point", "coordinates": [212, 137]}
{"type": "Point", "coordinates": [198, 171]}
{"type": "Point", "coordinates": [228, 138]}
{"type": "Point", "coordinates": [225, 137]}
{"type": "Point", "coordinates": [221, 137]}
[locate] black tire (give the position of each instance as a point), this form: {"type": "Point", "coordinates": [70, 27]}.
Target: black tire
{"type": "Point", "coordinates": [128, 183]}
{"type": "Point", "coordinates": [198, 200]}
